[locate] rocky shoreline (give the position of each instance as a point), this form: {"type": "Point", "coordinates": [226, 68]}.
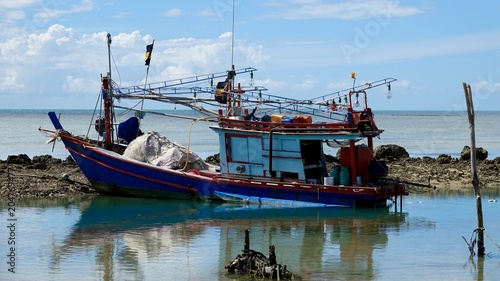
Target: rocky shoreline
{"type": "Point", "coordinates": [45, 177]}
{"type": "Point", "coordinates": [42, 176]}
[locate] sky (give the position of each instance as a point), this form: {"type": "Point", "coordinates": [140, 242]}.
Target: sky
{"type": "Point", "coordinates": [53, 52]}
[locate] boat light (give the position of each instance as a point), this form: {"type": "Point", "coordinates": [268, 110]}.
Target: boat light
{"type": "Point", "coordinates": [240, 169]}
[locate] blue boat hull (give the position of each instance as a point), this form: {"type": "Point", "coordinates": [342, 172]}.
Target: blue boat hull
{"type": "Point", "coordinates": [111, 173]}
{"type": "Point", "coordinates": [114, 174]}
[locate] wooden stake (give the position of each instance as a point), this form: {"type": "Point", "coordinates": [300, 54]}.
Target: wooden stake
{"type": "Point", "coordinates": [247, 242]}
{"type": "Point", "coordinates": [475, 179]}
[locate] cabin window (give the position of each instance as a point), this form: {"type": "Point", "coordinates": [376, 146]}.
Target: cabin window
{"type": "Point", "coordinates": [289, 175]}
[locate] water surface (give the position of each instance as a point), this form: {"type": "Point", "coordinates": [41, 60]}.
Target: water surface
{"type": "Point", "coordinates": [113, 238]}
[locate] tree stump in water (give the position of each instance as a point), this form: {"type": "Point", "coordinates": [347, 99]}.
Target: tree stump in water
{"type": "Point", "coordinates": [257, 264]}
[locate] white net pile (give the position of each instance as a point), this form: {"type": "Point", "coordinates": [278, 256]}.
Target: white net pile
{"type": "Point", "coordinates": [156, 149]}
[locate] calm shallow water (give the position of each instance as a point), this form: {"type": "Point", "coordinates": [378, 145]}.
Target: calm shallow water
{"type": "Point", "coordinates": [112, 238]}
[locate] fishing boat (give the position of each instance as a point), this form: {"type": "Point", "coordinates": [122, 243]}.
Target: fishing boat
{"type": "Point", "coordinates": [272, 148]}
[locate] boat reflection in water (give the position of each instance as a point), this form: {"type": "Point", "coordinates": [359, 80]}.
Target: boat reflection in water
{"type": "Point", "coordinates": [146, 239]}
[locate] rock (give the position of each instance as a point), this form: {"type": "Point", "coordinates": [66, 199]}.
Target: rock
{"type": "Point", "coordinates": [444, 159]}
{"type": "Point", "coordinates": [427, 159]}
{"type": "Point", "coordinates": [42, 159]}
{"type": "Point", "coordinates": [481, 153]}
{"type": "Point", "coordinates": [214, 159]}
{"type": "Point", "coordinates": [41, 178]}
{"type": "Point", "coordinates": [40, 166]}
{"type": "Point", "coordinates": [70, 161]}
{"type": "Point", "coordinates": [390, 151]}
{"type": "Point", "coordinates": [21, 159]}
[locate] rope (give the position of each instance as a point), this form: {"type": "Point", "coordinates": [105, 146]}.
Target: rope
{"type": "Point", "coordinates": [116, 67]}
{"type": "Point", "coordinates": [472, 242]}
{"type": "Point", "coordinates": [189, 140]}
{"type": "Point", "coordinates": [492, 240]}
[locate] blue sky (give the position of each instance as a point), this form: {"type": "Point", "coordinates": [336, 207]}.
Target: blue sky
{"type": "Point", "coordinates": [53, 52]}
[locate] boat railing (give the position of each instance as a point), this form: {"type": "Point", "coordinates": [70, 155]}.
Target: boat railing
{"type": "Point", "coordinates": [361, 121]}
{"type": "Point", "coordinates": [298, 128]}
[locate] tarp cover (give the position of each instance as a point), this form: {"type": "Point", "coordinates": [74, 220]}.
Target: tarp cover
{"type": "Point", "coordinates": [129, 129]}
{"type": "Point", "coordinates": [156, 149]}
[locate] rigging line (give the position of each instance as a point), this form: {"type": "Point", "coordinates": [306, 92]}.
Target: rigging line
{"type": "Point", "coordinates": [145, 82]}
{"type": "Point", "coordinates": [116, 67]}
{"type": "Point", "coordinates": [127, 110]}
{"type": "Point", "coordinates": [167, 114]}
{"type": "Point", "coordinates": [93, 114]}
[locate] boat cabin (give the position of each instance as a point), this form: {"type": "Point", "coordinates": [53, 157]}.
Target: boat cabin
{"type": "Point", "coordinates": [291, 149]}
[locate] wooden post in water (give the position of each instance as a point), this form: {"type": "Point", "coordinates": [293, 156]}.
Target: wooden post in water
{"type": "Point", "coordinates": [247, 242]}
{"type": "Point", "coordinates": [475, 180]}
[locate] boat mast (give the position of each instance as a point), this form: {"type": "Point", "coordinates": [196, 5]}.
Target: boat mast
{"type": "Point", "coordinates": [108, 100]}
{"type": "Point", "coordinates": [231, 73]}
{"type": "Point", "coordinates": [109, 55]}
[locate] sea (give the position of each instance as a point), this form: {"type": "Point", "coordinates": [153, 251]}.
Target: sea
{"type": "Point", "coordinates": [421, 133]}
{"type": "Point", "coordinates": [427, 237]}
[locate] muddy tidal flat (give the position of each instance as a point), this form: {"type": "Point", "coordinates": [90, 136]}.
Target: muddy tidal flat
{"type": "Point", "coordinates": [44, 176]}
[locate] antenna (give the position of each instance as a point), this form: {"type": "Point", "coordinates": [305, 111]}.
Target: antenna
{"type": "Point", "coordinates": [232, 41]}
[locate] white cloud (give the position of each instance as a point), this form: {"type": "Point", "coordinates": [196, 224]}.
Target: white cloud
{"type": "Point", "coordinates": [339, 85]}
{"type": "Point", "coordinates": [17, 4]}
{"type": "Point", "coordinates": [79, 85]}
{"type": "Point", "coordinates": [74, 84]}
{"type": "Point", "coordinates": [347, 10]}
{"type": "Point", "coordinates": [226, 35]}
{"type": "Point", "coordinates": [11, 82]}
{"type": "Point", "coordinates": [491, 87]}
{"type": "Point", "coordinates": [50, 42]}
{"type": "Point", "coordinates": [127, 40]}
{"type": "Point", "coordinates": [57, 62]}
{"type": "Point", "coordinates": [54, 10]}
{"type": "Point", "coordinates": [485, 87]}
{"type": "Point", "coordinates": [433, 47]}
{"type": "Point", "coordinates": [307, 83]}
{"type": "Point", "coordinates": [173, 13]}
{"type": "Point", "coordinates": [12, 16]}
{"type": "Point", "coordinates": [208, 13]}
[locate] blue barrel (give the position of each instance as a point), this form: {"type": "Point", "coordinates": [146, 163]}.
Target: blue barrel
{"type": "Point", "coordinates": [345, 176]}
{"type": "Point", "coordinates": [335, 173]}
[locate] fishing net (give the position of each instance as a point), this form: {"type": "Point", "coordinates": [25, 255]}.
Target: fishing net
{"type": "Point", "coordinates": [156, 149]}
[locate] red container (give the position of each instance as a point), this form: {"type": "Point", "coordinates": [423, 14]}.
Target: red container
{"type": "Point", "coordinates": [302, 119]}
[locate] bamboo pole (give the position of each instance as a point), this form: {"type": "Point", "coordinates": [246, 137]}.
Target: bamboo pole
{"type": "Point", "coordinates": [475, 179]}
